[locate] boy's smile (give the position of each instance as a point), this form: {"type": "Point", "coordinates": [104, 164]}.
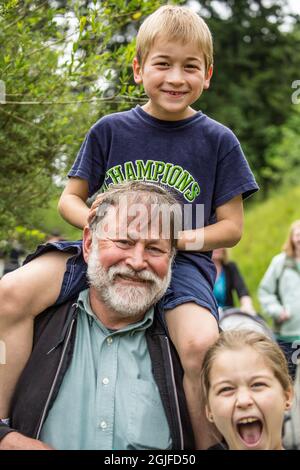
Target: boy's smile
{"type": "Point", "coordinates": [174, 76]}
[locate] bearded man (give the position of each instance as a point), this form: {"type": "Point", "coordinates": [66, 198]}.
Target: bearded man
{"type": "Point", "coordinates": [103, 373]}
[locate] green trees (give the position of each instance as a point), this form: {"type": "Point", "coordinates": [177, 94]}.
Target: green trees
{"type": "Point", "coordinates": [256, 62]}
{"type": "Point", "coordinates": [66, 63]}
{"type": "Point", "coordinates": [56, 59]}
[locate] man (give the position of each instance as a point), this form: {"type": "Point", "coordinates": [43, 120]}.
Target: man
{"type": "Point", "coordinates": [102, 373]}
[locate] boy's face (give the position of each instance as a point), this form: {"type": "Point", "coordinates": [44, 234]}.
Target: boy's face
{"type": "Point", "coordinates": [174, 77]}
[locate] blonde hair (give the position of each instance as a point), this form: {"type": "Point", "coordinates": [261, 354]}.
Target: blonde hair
{"type": "Point", "coordinates": [238, 339]}
{"type": "Point", "coordinates": [177, 23]}
{"type": "Point", "coordinates": [288, 246]}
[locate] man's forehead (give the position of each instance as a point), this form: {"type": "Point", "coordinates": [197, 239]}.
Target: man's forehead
{"type": "Point", "coordinates": [142, 223]}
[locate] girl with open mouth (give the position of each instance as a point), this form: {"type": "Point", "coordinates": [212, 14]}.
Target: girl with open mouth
{"type": "Point", "coordinates": [247, 389]}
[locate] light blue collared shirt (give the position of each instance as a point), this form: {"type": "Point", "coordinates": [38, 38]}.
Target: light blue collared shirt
{"type": "Point", "coordinates": [108, 399]}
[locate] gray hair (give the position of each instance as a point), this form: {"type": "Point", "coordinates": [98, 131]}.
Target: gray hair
{"type": "Point", "coordinates": [148, 194]}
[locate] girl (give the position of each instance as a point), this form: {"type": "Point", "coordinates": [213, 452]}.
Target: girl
{"type": "Point", "coordinates": [247, 389]}
{"type": "Point", "coordinates": [279, 294]}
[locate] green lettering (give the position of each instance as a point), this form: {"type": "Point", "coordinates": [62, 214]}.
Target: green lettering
{"type": "Point", "coordinates": [174, 175]}
{"type": "Point", "coordinates": [116, 174]}
{"type": "Point", "coordinates": [158, 170]}
{"type": "Point", "coordinates": [191, 194]}
{"type": "Point", "coordinates": [129, 171]}
{"type": "Point", "coordinates": [166, 172]}
{"type": "Point", "coordinates": [144, 170]}
{"type": "Point", "coordinates": [184, 181]}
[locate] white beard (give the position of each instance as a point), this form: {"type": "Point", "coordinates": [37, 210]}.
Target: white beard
{"type": "Point", "coordinates": [126, 300]}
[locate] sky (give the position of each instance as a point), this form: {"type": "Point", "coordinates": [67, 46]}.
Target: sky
{"type": "Point", "coordinates": [294, 5]}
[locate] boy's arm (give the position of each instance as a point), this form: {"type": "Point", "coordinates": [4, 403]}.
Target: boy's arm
{"type": "Point", "coordinates": [72, 204]}
{"type": "Point", "coordinates": [226, 232]}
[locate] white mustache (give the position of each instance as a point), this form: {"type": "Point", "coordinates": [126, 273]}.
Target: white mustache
{"type": "Point", "coordinates": [144, 275]}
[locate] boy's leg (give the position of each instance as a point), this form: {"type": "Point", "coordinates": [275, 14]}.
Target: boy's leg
{"type": "Point", "coordinates": [24, 293]}
{"type": "Point", "coordinates": [193, 329]}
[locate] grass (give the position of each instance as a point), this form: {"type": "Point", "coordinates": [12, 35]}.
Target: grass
{"type": "Point", "coordinates": [266, 226]}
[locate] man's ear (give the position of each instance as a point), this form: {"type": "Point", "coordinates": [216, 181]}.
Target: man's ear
{"type": "Point", "coordinates": [86, 243]}
{"type": "Point", "coordinates": [137, 71]}
{"type": "Point", "coordinates": [208, 76]}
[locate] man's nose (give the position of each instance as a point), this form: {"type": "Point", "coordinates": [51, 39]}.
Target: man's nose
{"type": "Point", "coordinates": [136, 258]}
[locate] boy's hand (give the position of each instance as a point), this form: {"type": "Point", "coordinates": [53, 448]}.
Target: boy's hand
{"type": "Point", "coordinates": [16, 441]}
{"type": "Point", "coordinates": [94, 207]}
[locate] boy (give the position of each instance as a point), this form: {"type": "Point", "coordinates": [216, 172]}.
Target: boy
{"type": "Point", "coordinates": [167, 142]}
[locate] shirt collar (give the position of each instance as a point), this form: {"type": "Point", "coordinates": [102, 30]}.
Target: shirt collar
{"type": "Point", "coordinates": [85, 307]}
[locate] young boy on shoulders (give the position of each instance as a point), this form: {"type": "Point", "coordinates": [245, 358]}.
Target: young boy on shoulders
{"type": "Point", "coordinates": [165, 142]}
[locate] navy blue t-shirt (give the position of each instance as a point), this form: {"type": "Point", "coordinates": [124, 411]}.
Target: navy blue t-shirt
{"type": "Point", "coordinates": [200, 159]}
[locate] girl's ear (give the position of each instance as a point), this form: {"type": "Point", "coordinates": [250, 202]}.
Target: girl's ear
{"type": "Point", "coordinates": [289, 395]}
{"type": "Point", "coordinates": [209, 414]}
{"type": "Point", "coordinates": [137, 71]}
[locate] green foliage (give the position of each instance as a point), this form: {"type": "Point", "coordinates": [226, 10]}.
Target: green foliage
{"type": "Point", "coordinates": [283, 157]}
{"type": "Point", "coordinates": [266, 227]}
{"type": "Point", "coordinates": [29, 239]}
{"type": "Point", "coordinates": [59, 79]}
{"type": "Point", "coordinates": [48, 220]}
{"type": "Point", "coordinates": [256, 63]}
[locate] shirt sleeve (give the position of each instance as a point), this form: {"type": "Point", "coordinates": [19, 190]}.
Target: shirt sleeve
{"type": "Point", "coordinates": [90, 162]}
{"type": "Point", "coordinates": [233, 177]}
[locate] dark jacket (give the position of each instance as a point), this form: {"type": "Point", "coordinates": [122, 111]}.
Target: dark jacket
{"type": "Point", "coordinates": [234, 282]}
{"type": "Point", "coordinates": [54, 339]}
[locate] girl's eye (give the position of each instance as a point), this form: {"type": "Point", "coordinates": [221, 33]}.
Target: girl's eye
{"type": "Point", "coordinates": [191, 66]}
{"type": "Point", "coordinates": [163, 64]}
{"type": "Point", "coordinates": [225, 390]}
{"type": "Point", "coordinates": [259, 384]}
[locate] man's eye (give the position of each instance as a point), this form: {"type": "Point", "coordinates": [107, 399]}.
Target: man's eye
{"type": "Point", "coordinates": [123, 243]}
{"type": "Point", "coordinates": [154, 250]}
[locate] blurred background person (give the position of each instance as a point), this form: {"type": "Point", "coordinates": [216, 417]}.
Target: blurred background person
{"type": "Point", "coordinates": [55, 236]}
{"type": "Point", "coordinates": [279, 295]}
{"type": "Point", "coordinates": [228, 281]}
{"type": "Point", "coordinates": [12, 257]}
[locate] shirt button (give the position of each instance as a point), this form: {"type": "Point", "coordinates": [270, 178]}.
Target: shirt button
{"type": "Point", "coordinates": [103, 425]}
{"type": "Point", "coordinates": [109, 340]}
{"type": "Point", "coordinates": [105, 381]}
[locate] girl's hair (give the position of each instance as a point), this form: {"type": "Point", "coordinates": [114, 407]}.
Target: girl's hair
{"type": "Point", "coordinates": [238, 339]}
{"type": "Point", "coordinates": [175, 23]}
{"type": "Point", "coordinates": [288, 247]}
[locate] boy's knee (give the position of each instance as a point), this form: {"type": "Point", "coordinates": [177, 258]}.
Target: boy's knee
{"type": "Point", "coordinates": [10, 299]}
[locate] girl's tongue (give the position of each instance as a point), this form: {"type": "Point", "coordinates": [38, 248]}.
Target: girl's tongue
{"type": "Point", "coordinates": [250, 432]}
